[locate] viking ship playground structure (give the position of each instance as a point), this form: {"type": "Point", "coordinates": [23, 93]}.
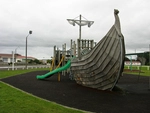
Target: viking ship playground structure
{"type": "Point", "coordinates": [97, 66]}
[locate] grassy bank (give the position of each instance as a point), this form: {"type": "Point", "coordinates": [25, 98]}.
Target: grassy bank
{"type": "Point", "coordinates": [15, 101]}
{"type": "Point", "coordinates": [8, 73]}
{"type": "Point", "coordinates": [138, 70]}
{"type": "Point", "coordinates": [142, 73]}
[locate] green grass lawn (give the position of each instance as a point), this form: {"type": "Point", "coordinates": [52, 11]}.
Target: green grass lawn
{"type": "Point", "coordinates": [13, 100]}
{"type": "Point", "coordinates": [143, 69]}
{"type": "Point", "coordinates": [143, 73]}
{"type": "Point", "coordinates": [8, 73]}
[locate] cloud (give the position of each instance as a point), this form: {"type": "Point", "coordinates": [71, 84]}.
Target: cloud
{"type": "Point", "coordinates": [47, 20]}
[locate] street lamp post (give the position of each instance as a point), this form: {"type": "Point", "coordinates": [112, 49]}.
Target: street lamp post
{"type": "Point", "coordinates": [80, 22]}
{"type": "Point", "coordinates": [30, 32]}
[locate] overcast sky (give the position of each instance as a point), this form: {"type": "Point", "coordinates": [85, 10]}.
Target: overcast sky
{"type": "Point", "coordinates": [47, 20]}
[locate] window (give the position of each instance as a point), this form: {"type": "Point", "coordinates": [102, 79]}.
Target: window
{"type": "Point", "coordinates": [5, 59]}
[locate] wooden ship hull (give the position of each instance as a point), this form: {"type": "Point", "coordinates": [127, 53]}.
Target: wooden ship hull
{"type": "Point", "coordinates": [102, 67]}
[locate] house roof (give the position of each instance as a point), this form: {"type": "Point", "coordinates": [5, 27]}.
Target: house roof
{"type": "Point", "coordinates": [23, 57]}
{"type": "Point", "coordinates": [133, 61]}
{"type": "Point", "coordinates": [16, 55]}
{"type": "Point", "coordinates": [5, 55]}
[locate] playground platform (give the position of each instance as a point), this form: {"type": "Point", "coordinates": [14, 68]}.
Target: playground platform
{"type": "Point", "coordinates": [132, 96]}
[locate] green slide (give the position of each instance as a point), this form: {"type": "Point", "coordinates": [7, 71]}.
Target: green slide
{"type": "Point", "coordinates": [49, 74]}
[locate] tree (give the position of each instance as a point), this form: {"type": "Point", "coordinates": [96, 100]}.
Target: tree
{"type": "Point", "coordinates": [37, 61]}
{"type": "Point", "coordinates": [31, 61]}
{"type": "Point", "coordinates": [49, 61]}
{"type": "Point", "coordinates": [146, 56]}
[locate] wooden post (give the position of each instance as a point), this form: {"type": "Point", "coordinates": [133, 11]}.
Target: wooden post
{"type": "Point", "coordinates": [149, 64]}
{"type": "Point", "coordinates": [71, 48]}
{"type": "Point", "coordinates": [91, 43]}
{"type": "Point", "coordinates": [74, 48]}
{"type": "Point", "coordinates": [54, 56]}
{"type": "Point", "coordinates": [79, 48]}
{"type": "Point", "coordinates": [58, 53]}
{"type": "Point", "coordinates": [80, 29]}
{"type": "Point", "coordinates": [12, 60]}
{"type": "Point", "coordinates": [64, 58]}
{"type": "Point", "coordinates": [58, 77]}
{"type": "Point", "coordinates": [88, 45]}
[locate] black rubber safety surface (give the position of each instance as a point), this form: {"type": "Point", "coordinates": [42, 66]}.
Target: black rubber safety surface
{"type": "Point", "coordinates": [132, 96]}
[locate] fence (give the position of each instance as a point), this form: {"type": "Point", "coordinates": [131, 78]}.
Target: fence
{"type": "Point", "coordinates": [23, 67]}
{"type": "Point", "coordinates": [142, 67]}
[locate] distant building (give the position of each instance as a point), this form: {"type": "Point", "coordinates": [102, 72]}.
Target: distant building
{"type": "Point", "coordinates": [8, 58]}
{"type": "Point", "coordinates": [136, 63]}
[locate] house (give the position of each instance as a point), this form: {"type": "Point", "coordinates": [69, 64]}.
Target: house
{"type": "Point", "coordinates": [8, 58]}
{"type": "Point", "coordinates": [136, 63]}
